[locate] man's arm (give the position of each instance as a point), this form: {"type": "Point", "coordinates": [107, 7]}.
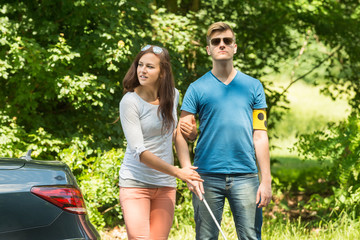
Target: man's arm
{"type": "Point", "coordinates": [182, 150]}
{"type": "Point", "coordinates": [261, 144]}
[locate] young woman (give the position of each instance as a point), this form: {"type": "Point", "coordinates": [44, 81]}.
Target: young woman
{"type": "Point", "coordinates": [148, 118]}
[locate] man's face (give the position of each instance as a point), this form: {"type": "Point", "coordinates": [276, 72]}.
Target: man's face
{"type": "Point", "coordinates": [222, 46]}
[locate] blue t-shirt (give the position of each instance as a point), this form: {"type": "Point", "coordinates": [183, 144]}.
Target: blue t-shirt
{"type": "Point", "coordinates": [225, 143]}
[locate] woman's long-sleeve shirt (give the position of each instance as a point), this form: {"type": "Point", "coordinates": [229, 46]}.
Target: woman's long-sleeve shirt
{"type": "Point", "coordinates": [142, 128]}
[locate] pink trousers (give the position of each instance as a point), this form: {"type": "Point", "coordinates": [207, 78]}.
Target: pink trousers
{"type": "Point", "coordinates": [148, 212]}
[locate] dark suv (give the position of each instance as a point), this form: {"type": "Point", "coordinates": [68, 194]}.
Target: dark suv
{"type": "Point", "coordinates": [41, 200]}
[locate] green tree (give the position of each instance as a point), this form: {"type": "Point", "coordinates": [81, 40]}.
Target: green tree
{"type": "Point", "coordinates": [62, 64]}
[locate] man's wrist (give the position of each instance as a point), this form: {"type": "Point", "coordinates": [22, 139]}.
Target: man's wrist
{"type": "Point", "coordinates": [266, 180]}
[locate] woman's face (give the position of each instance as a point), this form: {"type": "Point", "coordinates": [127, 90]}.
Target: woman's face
{"type": "Point", "coordinates": [148, 70]}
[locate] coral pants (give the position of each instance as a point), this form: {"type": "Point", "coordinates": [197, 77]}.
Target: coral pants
{"type": "Point", "coordinates": [148, 212]}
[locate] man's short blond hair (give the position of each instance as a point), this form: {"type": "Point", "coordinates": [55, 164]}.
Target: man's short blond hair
{"type": "Point", "coordinates": [218, 26]}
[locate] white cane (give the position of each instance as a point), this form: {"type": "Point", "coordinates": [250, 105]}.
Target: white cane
{"type": "Point", "coordinates": [212, 215]}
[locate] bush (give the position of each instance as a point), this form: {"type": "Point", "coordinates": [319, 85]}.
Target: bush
{"type": "Point", "coordinates": [98, 178]}
{"type": "Point", "coordinates": [15, 141]}
{"type": "Point", "coordinates": [339, 143]}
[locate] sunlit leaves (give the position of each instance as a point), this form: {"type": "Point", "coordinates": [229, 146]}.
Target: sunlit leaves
{"type": "Point", "coordinates": [339, 143]}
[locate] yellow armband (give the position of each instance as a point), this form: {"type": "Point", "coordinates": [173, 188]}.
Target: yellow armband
{"type": "Point", "coordinates": [259, 119]}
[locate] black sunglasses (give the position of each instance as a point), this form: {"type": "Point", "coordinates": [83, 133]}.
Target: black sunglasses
{"type": "Point", "coordinates": [217, 41]}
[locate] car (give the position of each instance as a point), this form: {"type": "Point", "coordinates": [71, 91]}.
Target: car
{"type": "Point", "coordinates": [41, 200]}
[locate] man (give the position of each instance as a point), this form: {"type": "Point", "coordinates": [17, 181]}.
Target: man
{"type": "Point", "coordinates": [230, 141]}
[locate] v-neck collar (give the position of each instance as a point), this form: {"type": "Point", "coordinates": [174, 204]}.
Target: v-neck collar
{"type": "Point", "coordinates": [237, 72]}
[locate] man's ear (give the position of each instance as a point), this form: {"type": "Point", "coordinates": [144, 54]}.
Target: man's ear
{"type": "Point", "coordinates": [235, 48]}
{"type": "Point", "coordinates": [208, 50]}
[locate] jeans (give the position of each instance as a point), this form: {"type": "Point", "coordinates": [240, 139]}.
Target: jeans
{"type": "Point", "coordinates": [240, 190]}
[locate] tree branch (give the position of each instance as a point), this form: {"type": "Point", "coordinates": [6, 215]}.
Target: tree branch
{"type": "Point", "coordinates": [311, 70]}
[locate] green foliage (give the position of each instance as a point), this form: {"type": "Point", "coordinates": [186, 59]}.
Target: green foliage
{"type": "Point", "coordinates": [334, 23]}
{"type": "Point", "coordinates": [62, 66]}
{"type": "Point", "coordinates": [179, 35]}
{"type": "Point", "coordinates": [184, 213]}
{"type": "Point", "coordinates": [15, 141]}
{"type": "Point", "coordinates": [305, 177]}
{"type": "Point", "coordinates": [98, 178]}
{"type": "Point", "coordinates": [340, 144]}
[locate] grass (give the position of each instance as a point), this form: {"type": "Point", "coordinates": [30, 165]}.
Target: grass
{"type": "Point", "coordinates": [284, 229]}
{"type": "Point", "coordinates": [344, 229]}
{"type": "Point", "coordinates": [273, 229]}
{"type": "Point", "coordinates": [341, 229]}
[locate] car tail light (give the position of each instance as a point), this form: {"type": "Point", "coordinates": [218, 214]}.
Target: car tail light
{"type": "Point", "coordinates": [68, 198]}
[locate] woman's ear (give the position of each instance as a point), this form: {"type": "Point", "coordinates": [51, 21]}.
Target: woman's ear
{"type": "Point", "coordinates": [161, 74]}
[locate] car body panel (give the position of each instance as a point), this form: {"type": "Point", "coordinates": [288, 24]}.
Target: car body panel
{"type": "Point", "coordinates": [66, 226]}
{"type": "Point", "coordinates": [15, 206]}
{"type": "Point", "coordinates": [11, 163]}
{"type": "Point", "coordinates": [24, 215]}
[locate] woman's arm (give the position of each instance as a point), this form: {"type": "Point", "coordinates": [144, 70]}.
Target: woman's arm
{"type": "Point", "coordinates": [182, 150]}
{"type": "Point", "coordinates": [187, 173]}
{"type": "Point", "coordinates": [130, 121]}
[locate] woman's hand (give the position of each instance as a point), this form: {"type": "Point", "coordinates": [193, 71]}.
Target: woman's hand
{"type": "Point", "coordinates": [189, 130]}
{"type": "Point", "coordinates": [189, 174]}
{"type": "Point", "coordinates": [197, 188]}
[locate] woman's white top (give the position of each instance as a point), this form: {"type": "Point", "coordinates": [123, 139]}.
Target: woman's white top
{"type": "Point", "coordinates": [142, 128]}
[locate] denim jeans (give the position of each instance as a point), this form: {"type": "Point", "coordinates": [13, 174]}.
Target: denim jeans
{"type": "Point", "coordinates": [240, 190]}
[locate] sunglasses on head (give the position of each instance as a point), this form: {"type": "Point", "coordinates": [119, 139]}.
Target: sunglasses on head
{"type": "Point", "coordinates": [217, 41]}
{"type": "Point", "coordinates": [155, 49]}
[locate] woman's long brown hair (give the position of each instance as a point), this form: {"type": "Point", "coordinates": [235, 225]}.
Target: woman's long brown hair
{"type": "Point", "coordinates": [166, 90]}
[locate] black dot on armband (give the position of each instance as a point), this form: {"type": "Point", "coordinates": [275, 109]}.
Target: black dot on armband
{"type": "Point", "coordinates": [260, 116]}
{"type": "Point", "coordinates": [265, 123]}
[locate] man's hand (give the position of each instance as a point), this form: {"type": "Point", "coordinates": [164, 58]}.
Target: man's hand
{"type": "Point", "coordinates": [264, 194]}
